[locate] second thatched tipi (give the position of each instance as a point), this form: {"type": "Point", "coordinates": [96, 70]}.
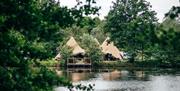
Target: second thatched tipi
{"type": "Point", "coordinates": [108, 48]}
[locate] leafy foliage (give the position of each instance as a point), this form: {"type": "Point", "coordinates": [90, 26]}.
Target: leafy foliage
{"type": "Point", "coordinates": [169, 45]}
{"type": "Point", "coordinates": [174, 12]}
{"type": "Point", "coordinates": [65, 53]}
{"type": "Point", "coordinates": [30, 30]}
{"type": "Point", "coordinates": [131, 25]}
{"type": "Point", "coordinates": [92, 47]}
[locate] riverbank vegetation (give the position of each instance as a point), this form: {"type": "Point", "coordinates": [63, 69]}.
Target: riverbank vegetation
{"type": "Point", "coordinates": [134, 28]}
{"type": "Point", "coordinates": [32, 32]}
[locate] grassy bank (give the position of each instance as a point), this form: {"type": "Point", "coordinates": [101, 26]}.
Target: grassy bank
{"type": "Point", "coordinates": [148, 63]}
{"type": "Point", "coordinates": [113, 64]}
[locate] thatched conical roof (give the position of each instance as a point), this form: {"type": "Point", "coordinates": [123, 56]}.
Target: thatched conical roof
{"type": "Point", "coordinates": [105, 43]}
{"type": "Point", "coordinates": [72, 42]}
{"type": "Point", "coordinates": [115, 51]}
{"type": "Point", "coordinates": [58, 56]}
{"type": "Point", "coordinates": [76, 49]}
{"type": "Point", "coordinates": [110, 48]}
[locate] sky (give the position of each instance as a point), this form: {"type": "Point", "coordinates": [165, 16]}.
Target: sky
{"type": "Point", "coordinates": [160, 6]}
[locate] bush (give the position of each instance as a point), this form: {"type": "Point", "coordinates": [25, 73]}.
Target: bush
{"type": "Point", "coordinates": [92, 47]}
{"type": "Point", "coordinates": [65, 54]}
{"type": "Point", "coordinates": [49, 63]}
{"type": "Point", "coordinates": [112, 64]}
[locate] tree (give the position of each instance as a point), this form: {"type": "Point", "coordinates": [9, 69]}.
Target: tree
{"type": "Point", "coordinates": [174, 12]}
{"type": "Point", "coordinates": [30, 30]}
{"type": "Point", "coordinates": [131, 24]}
{"type": "Point", "coordinates": [92, 47]}
{"type": "Point", "coordinates": [98, 32]}
{"type": "Point", "coordinates": [168, 35]}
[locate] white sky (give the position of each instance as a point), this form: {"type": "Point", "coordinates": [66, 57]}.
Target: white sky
{"type": "Point", "coordinates": [160, 6]}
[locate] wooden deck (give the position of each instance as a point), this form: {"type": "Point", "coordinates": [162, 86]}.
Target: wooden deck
{"type": "Point", "coordinates": [79, 70]}
{"type": "Point", "coordinates": [78, 62]}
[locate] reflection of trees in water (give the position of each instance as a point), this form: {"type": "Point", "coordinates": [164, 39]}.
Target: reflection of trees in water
{"type": "Point", "coordinates": [125, 75]}
{"type": "Point", "coordinates": [127, 79]}
{"type": "Point", "coordinates": [109, 74]}
{"type": "Point", "coordinates": [79, 76]}
{"type": "Point", "coordinates": [160, 71]}
{"type": "Point", "coordinates": [137, 75]}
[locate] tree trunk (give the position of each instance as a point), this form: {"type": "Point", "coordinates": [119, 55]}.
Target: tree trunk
{"type": "Point", "coordinates": [142, 52]}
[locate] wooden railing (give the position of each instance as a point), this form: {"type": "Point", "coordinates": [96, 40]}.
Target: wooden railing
{"type": "Point", "coordinates": [78, 61]}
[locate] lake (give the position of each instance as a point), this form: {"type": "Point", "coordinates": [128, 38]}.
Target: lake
{"type": "Point", "coordinates": [124, 79]}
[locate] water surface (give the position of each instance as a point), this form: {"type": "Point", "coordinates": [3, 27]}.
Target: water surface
{"type": "Point", "coordinates": [125, 79]}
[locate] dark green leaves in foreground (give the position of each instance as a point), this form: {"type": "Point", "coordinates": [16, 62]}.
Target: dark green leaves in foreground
{"type": "Point", "coordinates": [30, 30]}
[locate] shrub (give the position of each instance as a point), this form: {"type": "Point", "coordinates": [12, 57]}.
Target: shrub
{"type": "Point", "coordinates": [92, 47]}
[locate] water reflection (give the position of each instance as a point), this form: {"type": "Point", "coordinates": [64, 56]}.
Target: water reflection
{"type": "Point", "coordinates": [75, 77]}
{"type": "Point", "coordinates": [111, 75]}
{"type": "Point", "coordinates": [126, 80]}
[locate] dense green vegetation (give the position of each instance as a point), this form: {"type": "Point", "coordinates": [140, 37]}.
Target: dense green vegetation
{"type": "Point", "coordinates": [174, 12]}
{"type": "Point", "coordinates": [134, 27]}
{"type": "Point", "coordinates": [31, 31]}
{"type": "Point", "coordinates": [92, 48]}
